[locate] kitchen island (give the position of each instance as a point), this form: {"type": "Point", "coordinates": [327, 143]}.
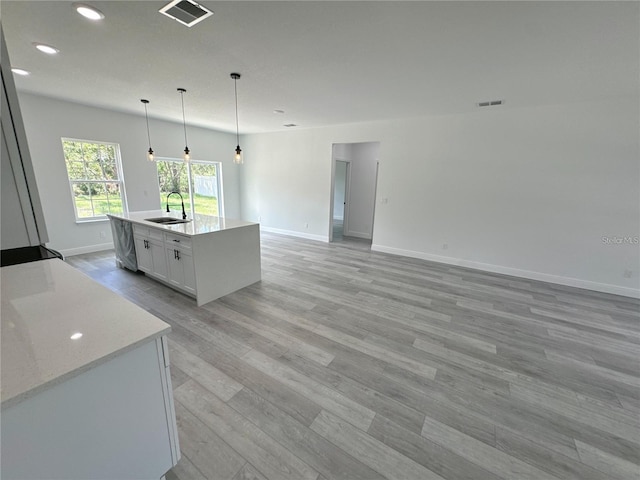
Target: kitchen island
{"type": "Point", "coordinates": [205, 257]}
{"type": "Point", "coordinates": [86, 387]}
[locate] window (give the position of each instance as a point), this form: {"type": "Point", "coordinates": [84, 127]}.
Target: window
{"type": "Point", "coordinates": [95, 177]}
{"type": "Point", "coordinates": [199, 182]}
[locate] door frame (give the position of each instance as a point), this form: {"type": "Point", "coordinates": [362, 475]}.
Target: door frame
{"type": "Point", "coordinates": [347, 194]}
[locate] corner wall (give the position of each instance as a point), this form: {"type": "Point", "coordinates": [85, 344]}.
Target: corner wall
{"type": "Point", "coordinates": [47, 120]}
{"type": "Point", "coordinates": [539, 192]}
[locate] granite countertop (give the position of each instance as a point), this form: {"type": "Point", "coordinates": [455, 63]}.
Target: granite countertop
{"type": "Point", "coordinates": [43, 304]}
{"type": "Point", "coordinates": [199, 225]}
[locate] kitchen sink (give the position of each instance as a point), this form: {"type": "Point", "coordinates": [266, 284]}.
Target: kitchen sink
{"type": "Point", "coordinates": [167, 220]}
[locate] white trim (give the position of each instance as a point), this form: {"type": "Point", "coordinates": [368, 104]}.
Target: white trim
{"type": "Point", "coordinates": [516, 272]}
{"type": "Point", "coordinates": [70, 252]}
{"type": "Point", "coordinates": [310, 236]}
{"type": "Point", "coordinates": [357, 235]}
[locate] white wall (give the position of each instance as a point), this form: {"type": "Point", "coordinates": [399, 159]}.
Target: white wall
{"type": "Point", "coordinates": [48, 120]}
{"type": "Point", "coordinates": [531, 192]}
{"type": "Point", "coordinates": [362, 191]}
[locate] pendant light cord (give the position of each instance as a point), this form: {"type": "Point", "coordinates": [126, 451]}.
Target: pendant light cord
{"type": "Point", "coordinates": [147, 117]}
{"type": "Point", "coordinates": [184, 122]}
{"type": "Point", "coordinates": [235, 85]}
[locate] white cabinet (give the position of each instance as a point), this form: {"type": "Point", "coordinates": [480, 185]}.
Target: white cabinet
{"type": "Point", "coordinates": [22, 217]}
{"type": "Point", "coordinates": [143, 254]}
{"type": "Point", "coordinates": [116, 420]}
{"type": "Point", "coordinates": [182, 273]}
{"type": "Point", "coordinates": [150, 252]}
{"type": "Point", "coordinates": [158, 259]}
{"type": "Point", "coordinates": [97, 407]}
{"type": "Point", "coordinates": [166, 257]}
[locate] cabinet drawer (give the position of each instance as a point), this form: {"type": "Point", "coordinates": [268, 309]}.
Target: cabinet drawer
{"type": "Point", "coordinates": [177, 241]}
{"type": "Point", "coordinates": [148, 232]}
{"type": "Point", "coordinates": [140, 230]}
{"type": "Point", "coordinates": [156, 234]}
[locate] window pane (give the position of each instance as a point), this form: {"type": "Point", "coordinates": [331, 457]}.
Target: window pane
{"type": "Point", "coordinates": [82, 199]}
{"type": "Point", "coordinates": [110, 171]}
{"type": "Point", "coordinates": [109, 153]}
{"type": "Point", "coordinates": [172, 177]}
{"type": "Point", "coordinates": [94, 170]}
{"type": "Point", "coordinates": [72, 151]}
{"type": "Point", "coordinates": [99, 198]}
{"type": "Point", "coordinates": [91, 152]}
{"type": "Point", "coordinates": [115, 197]}
{"type": "Point", "coordinates": [76, 170]}
{"type": "Point", "coordinates": [205, 188]}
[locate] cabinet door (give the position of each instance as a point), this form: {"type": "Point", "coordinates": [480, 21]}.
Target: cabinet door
{"type": "Point", "coordinates": [175, 269]}
{"type": "Point", "coordinates": [181, 269]}
{"type": "Point", "coordinates": [159, 259]}
{"type": "Point", "coordinates": [143, 254]}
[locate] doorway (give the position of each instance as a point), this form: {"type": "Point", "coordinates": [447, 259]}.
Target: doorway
{"type": "Point", "coordinates": [340, 195]}
{"type": "Point", "coordinates": [353, 192]}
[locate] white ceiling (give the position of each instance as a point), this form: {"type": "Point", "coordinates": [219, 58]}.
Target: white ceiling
{"type": "Point", "coordinates": [326, 62]}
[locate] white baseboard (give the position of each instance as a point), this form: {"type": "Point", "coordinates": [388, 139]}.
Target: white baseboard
{"type": "Point", "coordinates": [357, 235]}
{"type": "Point", "coordinates": [310, 236]}
{"type": "Point", "coordinates": [70, 252]}
{"type": "Point", "coordinates": [516, 272]}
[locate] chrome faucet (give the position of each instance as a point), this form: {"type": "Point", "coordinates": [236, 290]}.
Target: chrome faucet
{"type": "Point", "coordinates": [184, 215]}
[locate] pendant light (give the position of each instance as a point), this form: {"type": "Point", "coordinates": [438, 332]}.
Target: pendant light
{"type": "Point", "coordinates": [237, 158]}
{"type": "Point", "coordinates": [146, 115]}
{"type": "Point", "coordinates": [187, 153]}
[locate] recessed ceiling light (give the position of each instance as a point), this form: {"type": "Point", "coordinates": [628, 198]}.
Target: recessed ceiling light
{"type": "Point", "coordinates": [289, 125]}
{"type": "Point", "coordinates": [76, 336]}
{"type": "Point", "coordinates": [20, 71]}
{"type": "Point", "coordinates": [88, 11]}
{"type": "Point", "coordinates": [279, 112]}
{"type": "Point", "coordinates": [48, 49]}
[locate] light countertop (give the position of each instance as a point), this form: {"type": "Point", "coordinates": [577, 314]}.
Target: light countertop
{"type": "Point", "coordinates": [200, 225]}
{"type": "Point", "coordinates": [43, 304]}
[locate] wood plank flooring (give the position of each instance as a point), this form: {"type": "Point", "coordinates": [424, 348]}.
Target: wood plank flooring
{"type": "Point", "coordinates": [349, 364]}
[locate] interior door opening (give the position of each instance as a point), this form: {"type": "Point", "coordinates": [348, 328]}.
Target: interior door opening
{"type": "Point", "coordinates": [340, 212]}
{"type": "Point", "coordinates": [353, 192]}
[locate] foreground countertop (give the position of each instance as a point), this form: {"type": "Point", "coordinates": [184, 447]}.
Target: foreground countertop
{"type": "Point", "coordinates": [199, 225]}
{"type": "Point", "coordinates": [43, 304]}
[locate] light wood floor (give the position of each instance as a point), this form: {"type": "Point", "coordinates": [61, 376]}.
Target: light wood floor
{"type": "Point", "coordinates": [343, 363]}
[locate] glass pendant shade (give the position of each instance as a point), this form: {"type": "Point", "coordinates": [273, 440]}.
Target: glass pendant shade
{"type": "Point", "coordinates": [237, 158]}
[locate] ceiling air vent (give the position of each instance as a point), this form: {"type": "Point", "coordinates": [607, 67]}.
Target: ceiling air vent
{"type": "Point", "coordinates": [187, 12]}
{"type": "Point", "coordinates": [491, 103]}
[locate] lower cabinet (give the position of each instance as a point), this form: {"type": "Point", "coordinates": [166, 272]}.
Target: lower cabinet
{"type": "Point", "coordinates": [151, 256]}
{"type": "Point", "coordinates": [181, 270]}
{"type": "Point", "coordinates": [143, 254]}
{"type": "Point", "coordinates": [166, 257]}
{"type": "Point", "coordinates": [115, 420]}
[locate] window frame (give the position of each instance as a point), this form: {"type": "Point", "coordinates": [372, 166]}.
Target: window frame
{"type": "Point", "coordinates": [120, 181]}
{"type": "Point", "coordinates": [219, 179]}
